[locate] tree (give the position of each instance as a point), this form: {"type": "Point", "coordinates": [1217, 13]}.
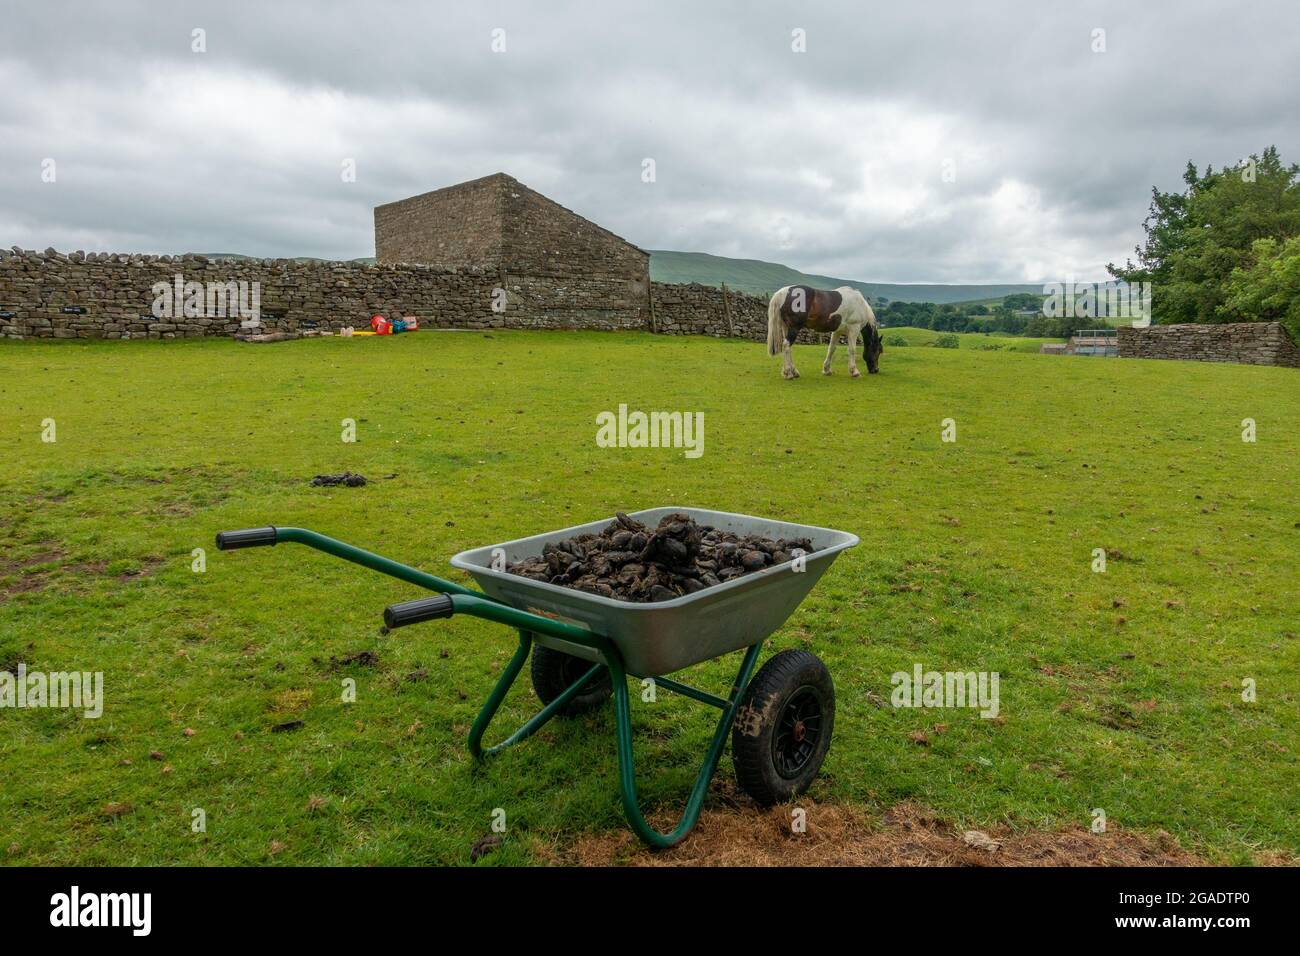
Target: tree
{"type": "Point", "coordinates": [1019, 301]}
{"type": "Point", "coordinates": [1198, 238]}
{"type": "Point", "coordinates": [1041, 327]}
{"type": "Point", "coordinates": [1062, 327]}
{"type": "Point", "coordinates": [1269, 287]}
{"type": "Point", "coordinates": [1009, 320]}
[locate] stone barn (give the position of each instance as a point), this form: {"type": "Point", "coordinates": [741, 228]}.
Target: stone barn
{"type": "Point", "coordinates": [552, 263]}
{"type": "Point", "coordinates": [490, 253]}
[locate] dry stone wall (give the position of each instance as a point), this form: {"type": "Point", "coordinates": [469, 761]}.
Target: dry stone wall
{"type": "Point", "coordinates": [696, 309]}
{"type": "Point", "coordinates": [1249, 343]}
{"type": "Point", "coordinates": [104, 295]}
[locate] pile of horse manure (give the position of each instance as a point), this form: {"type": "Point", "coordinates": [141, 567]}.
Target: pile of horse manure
{"type": "Point", "coordinates": [628, 561]}
{"type": "Point", "coordinates": [347, 478]}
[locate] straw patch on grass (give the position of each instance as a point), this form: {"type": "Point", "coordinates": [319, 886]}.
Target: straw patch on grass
{"type": "Point", "coordinates": [906, 835]}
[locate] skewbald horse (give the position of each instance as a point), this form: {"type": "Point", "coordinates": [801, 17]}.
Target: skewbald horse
{"type": "Point", "coordinates": [823, 310]}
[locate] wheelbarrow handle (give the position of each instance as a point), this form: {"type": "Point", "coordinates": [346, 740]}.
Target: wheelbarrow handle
{"type": "Point", "coordinates": [423, 609]}
{"type": "Point", "coordinates": [254, 537]}
{"type": "Point", "coordinates": [445, 605]}
{"type": "Point", "coordinates": [247, 538]}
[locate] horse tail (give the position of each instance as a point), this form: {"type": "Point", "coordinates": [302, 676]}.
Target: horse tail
{"type": "Point", "coordinates": [775, 325]}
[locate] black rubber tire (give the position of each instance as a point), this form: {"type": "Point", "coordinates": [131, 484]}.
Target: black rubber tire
{"type": "Point", "coordinates": [553, 672]}
{"type": "Point", "coordinates": [783, 727]}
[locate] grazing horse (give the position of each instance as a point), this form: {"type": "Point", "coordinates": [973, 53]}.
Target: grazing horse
{"type": "Point", "coordinates": [823, 310]}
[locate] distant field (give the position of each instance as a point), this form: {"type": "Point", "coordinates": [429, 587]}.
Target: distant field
{"type": "Point", "coordinates": [1119, 690]}
{"type": "Point", "coordinates": [969, 340]}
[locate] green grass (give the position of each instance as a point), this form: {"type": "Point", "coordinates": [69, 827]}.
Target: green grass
{"type": "Point", "coordinates": [1119, 690]}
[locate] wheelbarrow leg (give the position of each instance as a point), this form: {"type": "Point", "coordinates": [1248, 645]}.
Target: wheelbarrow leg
{"type": "Point", "coordinates": [499, 694]}
{"type": "Point", "coordinates": [627, 769]}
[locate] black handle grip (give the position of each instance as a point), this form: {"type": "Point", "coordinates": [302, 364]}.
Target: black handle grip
{"type": "Point", "coordinates": [413, 612]}
{"type": "Point", "coordinates": [248, 538]}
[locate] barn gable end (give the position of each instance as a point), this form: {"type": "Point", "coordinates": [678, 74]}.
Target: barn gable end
{"type": "Point", "coordinates": [548, 257]}
{"type": "Point", "coordinates": [455, 227]}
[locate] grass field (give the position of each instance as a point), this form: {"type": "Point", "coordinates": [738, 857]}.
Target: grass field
{"type": "Point", "coordinates": [1119, 690]}
{"type": "Point", "coordinates": [995, 341]}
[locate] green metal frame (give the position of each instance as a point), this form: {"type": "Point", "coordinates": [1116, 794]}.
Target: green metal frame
{"type": "Point", "coordinates": [468, 601]}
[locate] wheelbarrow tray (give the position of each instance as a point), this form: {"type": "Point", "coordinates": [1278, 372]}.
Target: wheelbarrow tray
{"type": "Point", "coordinates": [665, 636]}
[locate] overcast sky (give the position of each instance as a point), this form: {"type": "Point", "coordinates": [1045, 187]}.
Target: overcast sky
{"type": "Point", "coordinates": [831, 160]}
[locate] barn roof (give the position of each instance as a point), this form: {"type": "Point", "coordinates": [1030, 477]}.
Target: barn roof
{"type": "Point", "coordinates": [505, 184]}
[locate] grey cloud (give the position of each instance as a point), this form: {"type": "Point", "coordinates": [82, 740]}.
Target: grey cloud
{"type": "Point", "coordinates": [829, 161]}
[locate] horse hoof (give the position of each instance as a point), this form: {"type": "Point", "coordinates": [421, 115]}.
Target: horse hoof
{"type": "Point", "coordinates": [856, 374]}
{"type": "Point", "coordinates": [826, 371]}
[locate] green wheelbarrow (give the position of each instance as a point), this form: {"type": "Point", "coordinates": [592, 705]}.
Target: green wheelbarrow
{"type": "Point", "coordinates": [585, 646]}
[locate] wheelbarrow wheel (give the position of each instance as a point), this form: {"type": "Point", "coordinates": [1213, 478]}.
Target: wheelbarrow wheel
{"type": "Point", "coordinates": [783, 727]}
{"type": "Point", "coordinates": [554, 672]}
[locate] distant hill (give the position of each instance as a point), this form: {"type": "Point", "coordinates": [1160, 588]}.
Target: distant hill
{"type": "Point", "coordinates": [763, 278]}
